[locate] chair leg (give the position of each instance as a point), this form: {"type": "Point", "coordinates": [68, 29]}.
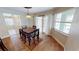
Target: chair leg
{"type": "Point", "coordinates": [38, 38]}
{"type": "Point", "coordinates": [24, 39]}
{"type": "Point", "coordinates": [29, 39]}
{"type": "Point", "coordinates": [3, 47]}
{"type": "Point", "coordinates": [34, 40]}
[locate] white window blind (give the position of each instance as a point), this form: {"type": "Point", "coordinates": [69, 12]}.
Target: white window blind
{"type": "Point", "coordinates": [63, 20]}
{"type": "Point", "coordinates": [9, 21]}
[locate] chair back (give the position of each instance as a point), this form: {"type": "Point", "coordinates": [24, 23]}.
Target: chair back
{"type": "Point", "coordinates": [33, 34]}
{"type": "Point", "coordinates": [24, 27]}
{"type": "Point", "coordinates": [37, 32]}
{"type": "Point", "coordinates": [34, 27]}
{"type": "Point", "coordinates": [0, 40]}
{"type": "Point", "coordinates": [20, 31]}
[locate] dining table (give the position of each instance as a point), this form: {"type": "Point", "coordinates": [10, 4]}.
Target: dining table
{"type": "Point", "coordinates": [30, 31]}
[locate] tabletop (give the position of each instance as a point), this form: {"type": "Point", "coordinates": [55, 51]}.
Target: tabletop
{"type": "Point", "coordinates": [28, 30]}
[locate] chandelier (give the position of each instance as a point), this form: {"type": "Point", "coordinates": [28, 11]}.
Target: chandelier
{"type": "Point", "coordinates": [28, 14]}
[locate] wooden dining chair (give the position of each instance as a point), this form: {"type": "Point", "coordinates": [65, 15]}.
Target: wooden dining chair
{"type": "Point", "coordinates": [34, 27]}
{"type": "Point", "coordinates": [28, 36]}
{"type": "Point", "coordinates": [22, 35]}
{"type": "Point", "coordinates": [37, 34]}
{"type": "Point", "coordinates": [24, 27]}
{"type": "Point", "coordinates": [2, 46]}
{"type": "Point", "coordinates": [33, 36]}
{"type": "Point", "coordinates": [20, 32]}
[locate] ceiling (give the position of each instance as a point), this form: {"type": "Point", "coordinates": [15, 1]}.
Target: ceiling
{"type": "Point", "coordinates": [32, 10]}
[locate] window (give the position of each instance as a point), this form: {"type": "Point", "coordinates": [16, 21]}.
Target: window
{"type": "Point", "coordinates": [58, 17]}
{"type": "Point", "coordinates": [66, 27]}
{"type": "Point", "coordinates": [45, 24]}
{"type": "Point", "coordinates": [7, 14]}
{"type": "Point", "coordinates": [63, 20]}
{"type": "Point", "coordinates": [9, 21]}
{"type": "Point", "coordinates": [57, 25]}
{"type": "Point", "coordinates": [12, 32]}
{"type": "Point", "coordinates": [39, 23]}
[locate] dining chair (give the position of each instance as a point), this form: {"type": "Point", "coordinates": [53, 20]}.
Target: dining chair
{"type": "Point", "coordinates": [2, 46]}
{"type": "Point", "coordinates": [20, 32]}
{"type": "Point", "coordinates": [33, 36]}
{"type": "Point", "coordinates": [37, 34]}
{"type": "Point", "coordinates": [22, 35]}
{"type": "Point", "coordinates": [34, 27]}
{"type": "Point", "coordinates": [28, 36]}
{"type": "Point", "coordinates": [24, 27]}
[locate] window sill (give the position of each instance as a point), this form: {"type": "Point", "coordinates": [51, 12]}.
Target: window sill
{"type": "Point", "coordinates": [62, 32]}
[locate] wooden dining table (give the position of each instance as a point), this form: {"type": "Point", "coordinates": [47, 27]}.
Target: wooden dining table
{"type": "Point", "coordinates": [29, 31]}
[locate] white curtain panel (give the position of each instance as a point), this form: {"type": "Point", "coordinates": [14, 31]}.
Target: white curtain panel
{"type": "Point", "coordinates": [38, 21]}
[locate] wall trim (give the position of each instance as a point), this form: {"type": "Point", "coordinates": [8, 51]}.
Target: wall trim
{"type": "Point", "coordinates": [58, 41]}
{"type": "Point", "coordinates": [5, 36]}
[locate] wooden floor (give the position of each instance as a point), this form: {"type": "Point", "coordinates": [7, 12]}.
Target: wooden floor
{"type": "Point", "coordinates": [47, 43]}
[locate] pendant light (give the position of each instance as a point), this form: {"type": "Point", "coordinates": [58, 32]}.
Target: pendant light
{"type": "Point", "coordinates": [28, 15]}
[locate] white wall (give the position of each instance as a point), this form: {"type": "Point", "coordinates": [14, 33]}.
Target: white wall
{"type": "Point", "coordinates": [73, 41]}
{"type": "Point", "coordinates": [59, 37]}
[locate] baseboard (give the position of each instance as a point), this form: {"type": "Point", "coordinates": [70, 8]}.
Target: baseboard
{"type": "Point", "coordinates": [58, 41]}
{"type": "Point", "coordinates": [5, 36]}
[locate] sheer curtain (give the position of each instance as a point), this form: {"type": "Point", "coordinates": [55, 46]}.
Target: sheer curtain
{"type": "Point", "coordinates": [38, 21]}
{"type": "Point", "coordinates": [12, 23]}
{"type": "Point", "coordinates": [47, 23]}
{"type": "Point", "coordinates": [44, 23]}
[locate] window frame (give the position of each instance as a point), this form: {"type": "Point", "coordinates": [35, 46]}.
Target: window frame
{"type": "Point", "coordinates": [7, 22]}
{"type": "Point", "coordinates": [70, 22]}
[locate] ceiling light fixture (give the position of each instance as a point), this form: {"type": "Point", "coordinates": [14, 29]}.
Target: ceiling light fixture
{"type": "Point", "coordinates": [28, 15]}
